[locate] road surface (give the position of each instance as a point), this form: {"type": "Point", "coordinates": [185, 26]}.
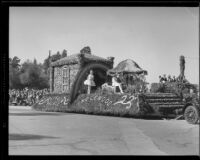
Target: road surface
{"type": "Point", "coordinates": [51, 133]}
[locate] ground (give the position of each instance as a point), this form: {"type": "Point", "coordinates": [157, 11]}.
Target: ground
{"type": "Point", "coordinates": [50, 133]}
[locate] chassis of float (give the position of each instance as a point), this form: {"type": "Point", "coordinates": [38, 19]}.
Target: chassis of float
{"type": "Point", "coordinates": [178, 98]}
{"type": "Point", "coordinates": [171, 105]}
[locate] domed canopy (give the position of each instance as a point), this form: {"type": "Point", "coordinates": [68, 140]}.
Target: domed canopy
{"type": "Point", "coordinates": [127, 66]}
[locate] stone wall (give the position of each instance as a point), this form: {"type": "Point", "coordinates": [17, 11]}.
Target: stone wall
{"type": "Point", "coordinates": [64, 77]}
{"type": "Point", "coordinates": [73, 72]}
{"type": "Point", "coordinates": [51, 78]}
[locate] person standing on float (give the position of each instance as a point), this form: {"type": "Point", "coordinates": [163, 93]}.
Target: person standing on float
{"type": "Point", "coordinates": [116, 82]}
{"type": "Point", "coordinates": [90, 82]}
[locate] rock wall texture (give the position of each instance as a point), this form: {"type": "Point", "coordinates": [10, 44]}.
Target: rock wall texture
{"type": "Point", "coordinates": [64, 77]}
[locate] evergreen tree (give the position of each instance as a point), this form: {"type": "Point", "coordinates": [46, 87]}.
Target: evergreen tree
{"type": "Point", "coordinates": [64, 53]}
{"type": "Point", "coordinates": [32, 76]}
{"type": "Point", "coordinates": [14, 68]}
{"type": "Point", "coordinates": [35, 61]}
{"type": "Point", "coordinates": [15, 62]}
{"type": "Point", "coordinates": [46, 64]}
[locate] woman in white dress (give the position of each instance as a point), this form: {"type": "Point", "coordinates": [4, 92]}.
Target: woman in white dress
{"type": "Point", "coordinates": [115, 83]}
{"type": "Point", "coordinates": [90, 81]}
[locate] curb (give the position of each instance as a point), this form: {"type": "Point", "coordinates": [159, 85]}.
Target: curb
{"type": "Point", "coordinates": [20, 107]}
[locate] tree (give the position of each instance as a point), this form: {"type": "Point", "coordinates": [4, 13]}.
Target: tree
{"type": "Point", "coordinates": [32, 76]}
{"type": "Point", "coordinates": [14, 68]}
{"type": "Point", "coordinates": [14, 81]}
{"type": "Point", "coordinates": [46, 64]}
{"type": "Point", "coordinates": [15, 62]}
{"type": "Point", "coordinates": [35, 61]}
{"type": "Point", "coordinates": [64, 53]}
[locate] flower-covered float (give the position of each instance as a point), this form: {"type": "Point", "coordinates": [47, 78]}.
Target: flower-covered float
{"type": "Point", "coordinates": [69, 94]}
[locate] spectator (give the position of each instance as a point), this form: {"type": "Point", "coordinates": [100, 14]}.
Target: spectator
{"type": "Point", "coordinates": [164, 78]}
{"type": "Point", "coordinates": [26, 96]}
{"type": "Point", "coordinates": [174, 79]}
{"type": "Point", "coordinates": [160, 79]}
{"type": "Point", "coordinates": [178, 79]}
{"type": "Point", "coordinates": [169, 78]}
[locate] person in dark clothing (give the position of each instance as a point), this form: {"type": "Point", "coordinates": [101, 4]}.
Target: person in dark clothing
{"type": "Point", "coordinates": [18, 98]}
{"type": "Point", "coordinates": [164, 78]}
{"type": "Point", "coordinates": [160, 79]}
{"type": "Point", "coordinates": [174, 79]}
{"type": "Point", "coordinates": [169, 78]}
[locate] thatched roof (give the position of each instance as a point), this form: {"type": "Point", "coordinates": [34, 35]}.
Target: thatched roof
{"type": "Point", "coordinates": [75, 58]}
{"type": "Point", "coordinates": [127, 66]}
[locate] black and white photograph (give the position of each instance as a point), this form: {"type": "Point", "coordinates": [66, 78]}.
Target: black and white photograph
{"type": "Point", "coordinates": [103, 80]}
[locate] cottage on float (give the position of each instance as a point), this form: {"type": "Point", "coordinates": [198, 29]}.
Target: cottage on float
{"type": "Point", "coordinates": [67, 75]}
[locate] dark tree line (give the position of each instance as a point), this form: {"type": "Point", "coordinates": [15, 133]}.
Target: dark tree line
{"type": "Point", "coordinates": [31, 74]}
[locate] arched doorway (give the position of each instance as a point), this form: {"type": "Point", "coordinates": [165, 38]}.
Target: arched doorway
{"type": "Point", "coordinates": [100, 77]}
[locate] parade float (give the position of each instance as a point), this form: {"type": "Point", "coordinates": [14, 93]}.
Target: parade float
{"type": "Point", "coordinates": [68, 92]}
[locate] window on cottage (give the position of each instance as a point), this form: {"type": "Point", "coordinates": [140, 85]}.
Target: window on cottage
{"type": "Point", "coordinates": [65, 78]}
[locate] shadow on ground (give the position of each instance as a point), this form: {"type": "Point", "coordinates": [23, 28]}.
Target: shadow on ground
{"type": "Point", "coordinates": [144, 117]}
{"type": "Point", "coordinates": [43, 113]}
{"type": "Point", "coordinates": [19, 137]}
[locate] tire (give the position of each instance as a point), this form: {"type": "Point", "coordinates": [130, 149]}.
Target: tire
{"type": "Point", "coordinates": [191, 114]}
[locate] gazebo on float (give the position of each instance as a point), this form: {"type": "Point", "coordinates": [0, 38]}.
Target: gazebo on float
{"type": "Point", "coordinates": [129, 70]}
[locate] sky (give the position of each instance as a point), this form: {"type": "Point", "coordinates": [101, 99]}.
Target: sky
{"type": "Point", "coordinates": [154, 37]}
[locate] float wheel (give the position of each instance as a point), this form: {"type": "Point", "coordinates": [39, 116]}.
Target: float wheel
{"type": "Point", "coordinates": [191, 114]}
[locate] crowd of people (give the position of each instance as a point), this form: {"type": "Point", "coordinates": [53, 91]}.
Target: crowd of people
{"type": "Point", "coordinates": [169, 78]}
{"type": "Point", "coordinates": [26, 96]}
